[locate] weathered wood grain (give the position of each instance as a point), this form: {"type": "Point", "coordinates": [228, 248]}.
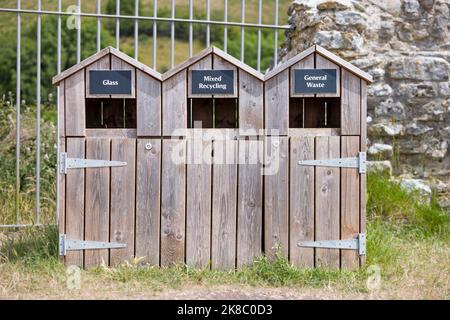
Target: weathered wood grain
{"type": "Point", "coordinates": [277, 104]}
{"type": "Point", "coordinates": [363, 177]}
{"type": "Point", "coordinates": [101, 64]}
{"type": "Point", "coordinates": [97, 201]}
{"type": "Point", "coordinates": [306, 63]}
{"type": "Point", "coordinates": [301, 201]}
{"type": "Point", "coordinates": [174, 103]}
{"type": "Point", "coordinates": [327, 204]}
{"type": "Point", "coordinates": [198, 202]}
{"type": "Point", "coordinates": [62, 148]}
{"type": "Point", "coordinates": [75, 114]}
{"type": "Point", "coordinates": [249, 229]}
{"type": "Point", "coordinates": [276, 197]}
{"type": "Point", "coordinates": [325, 63]}
{"type": "Point", "coordinates": [220, 63]}
{"type": "Point", "coordinates": [148, 105]}
{"type": "Point", "coordinates": [119, 64]}
{"type": "Point", "coordinates": [123, 199]}
{"type": "Point", "coordinates": [203, 64]}
{"type": "Point", "coordinates": [350, 104]}
{"type": "Point", "coordinates": [173, 193]}
{"type": "Point", "coordinates": [223, 242]}
{"type": "Point", "coordinates": [350, 206]}
{"type": "Point", "coordinates": [75, 200]}
{"type": "Point", "coordinates": [148, 181]}
{"type": "Point", "coordinates": [251, 104]}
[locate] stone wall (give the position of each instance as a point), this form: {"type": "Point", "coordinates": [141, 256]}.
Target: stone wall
{"type": "Point", "coordinates": [405, 46]}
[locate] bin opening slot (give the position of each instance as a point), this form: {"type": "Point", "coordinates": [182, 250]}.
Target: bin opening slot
{"type": "Point", "coordinates": [213, 112]}
{"type": "Point", "coordinates": [312, 112]}
{"type": "Point", "coordinates": [108, 113]}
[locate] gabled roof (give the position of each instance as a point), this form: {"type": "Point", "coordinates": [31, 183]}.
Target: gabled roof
{"type": "Point", "coordinates": [202, 54]}
{"type": "Point", "coordinates": [97, 56]}
{"type": "Point", "coordinates": [327, 54]}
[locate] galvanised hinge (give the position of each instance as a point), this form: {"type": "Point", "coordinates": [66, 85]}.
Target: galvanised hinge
{"type": "Point", "coordinates": [73, 245]}
{"type": "Point", "coordinates": [359, 162]}
{"type": "Point", "coordinates": [66, 163]}
{"type": "Point", "coordinates": [358, 244]}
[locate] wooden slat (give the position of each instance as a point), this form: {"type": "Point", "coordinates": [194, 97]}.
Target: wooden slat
{"type": "Point", "coordinates": [62, 148]}
{"type": "Point", "coordinates": [277, 103]}
{"type": "Point", "coordinates": [249, 233]}
{"type": "Point", "coordinates": [101, 64]}
{"type": "Point", "coordinates": [327, 196]}
{"type": "Point", "coordinates": [203, 64]}
{"type": "Point", "coordinates": [306, 63]}
{"type": "Point", "coordinates": [173, 191]}
{"type": "Point", "coordinates": [148, 181]}
{"type": "Point", "coordinates": [314, 132]}
{"type": "Point", "coordinates": [111, 133]}
{"type": "Point", "coordinates": [174, 103]}
{"type": "Point", "coordinates": [349, 201]}
{"type": "Point", "coordinates": [363, 177]}
{"type": "Point", "coordinates": [75, 200]}
{"type": "Point", "coordinates": [350, 104]}
{"type": "Point", "coordinates": [198, 202]}
{"type": "Point", "coordinates": [220, 63]}
{"type": "Point", "coordinates": [122, 199]}
{"type": "Point", "coordinates": [119, 64]}
{"type": "Point", "coordinates": [276, 197]}
{"type": "Point", "coordinates": [75, 115]}
{"type": "Point", "coordinates": [97, 201]}
{"type": "Point", "coordinates": [301, 201]}
{"type": "Point", "coordinates": [250, 104]}
{"type": "Point", "coordinates": [324, 63]}
{"type": "Point", "coordinates": [223, 250]}
{"type": "Point", "coordinates": [148, 105]}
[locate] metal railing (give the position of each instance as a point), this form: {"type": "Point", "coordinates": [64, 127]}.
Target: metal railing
{"type": "Point", "coordinates": [173, 20]}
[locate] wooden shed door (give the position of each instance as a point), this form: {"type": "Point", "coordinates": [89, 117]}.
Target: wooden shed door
{"type": "Point", "coordinates": [325, 201]}
{"type": "Point", "coordinates": [99, 196]}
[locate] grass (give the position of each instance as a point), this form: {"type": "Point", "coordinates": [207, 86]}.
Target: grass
{"type": "Point", "coordinates": [407, 241]}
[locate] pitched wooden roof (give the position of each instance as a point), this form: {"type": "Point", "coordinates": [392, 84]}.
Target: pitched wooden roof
{"type": "Point", "coordinates": [101, 54]}
{"type": "Point", "coordinates": [155, 74]}
{"type": "Point", "coordinates": [220, 53]}
{"type": "Point", "coordinates": [327, 54]}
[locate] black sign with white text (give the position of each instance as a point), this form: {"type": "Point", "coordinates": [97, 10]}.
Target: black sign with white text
{"type": "Point", "coordinates": [315, 81]}
{"type": "Point", "coordinates": [212, 82]}
{"type": "Point", "coordinates": [110, 82]}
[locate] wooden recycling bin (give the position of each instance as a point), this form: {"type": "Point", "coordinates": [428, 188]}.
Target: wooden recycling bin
{"type": "Point", "coordinates": [175, 168]}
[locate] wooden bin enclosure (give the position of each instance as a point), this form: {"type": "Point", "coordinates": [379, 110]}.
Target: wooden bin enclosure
{"type": "Point", "coordinates": [139, 178]}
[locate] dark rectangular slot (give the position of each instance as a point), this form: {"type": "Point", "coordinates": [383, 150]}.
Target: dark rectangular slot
{"type": "Point", "coordinates": [111, 113]}
{"type": "Point", "coordinates": [312, 112]}
{"type": "Point", "coordinates": [226, 113]}
{"type": "Point", "coordinates": [213, 113]}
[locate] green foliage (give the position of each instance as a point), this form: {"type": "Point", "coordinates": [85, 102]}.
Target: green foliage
{"type": "Point", "coordinates": [31, 245]}
{"type": "Point", "coordinates": [27, 163]}
{"type": "Point", "coordinates": [388, 201]}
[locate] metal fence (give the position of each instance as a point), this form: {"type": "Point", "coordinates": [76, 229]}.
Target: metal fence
{"type": "Point", "coordinates": [118, 17]}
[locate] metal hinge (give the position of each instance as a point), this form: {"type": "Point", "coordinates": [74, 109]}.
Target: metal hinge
{"type": "Point", "coordinates": [358, 244]}
{"type": "Point", "coordinates": [359, 162]}
{"type": "Point", "coordinates": [66, 163]}
{"type": "Point", "coordinates": [73, 245]}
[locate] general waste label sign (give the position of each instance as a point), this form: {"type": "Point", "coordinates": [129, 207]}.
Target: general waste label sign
{"type": "Point", "coordinates": [315, 81]}
{"type": "Point", "coordinates": [212, 82]}
{"type": "Point", "coordinates": [110, 82]}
